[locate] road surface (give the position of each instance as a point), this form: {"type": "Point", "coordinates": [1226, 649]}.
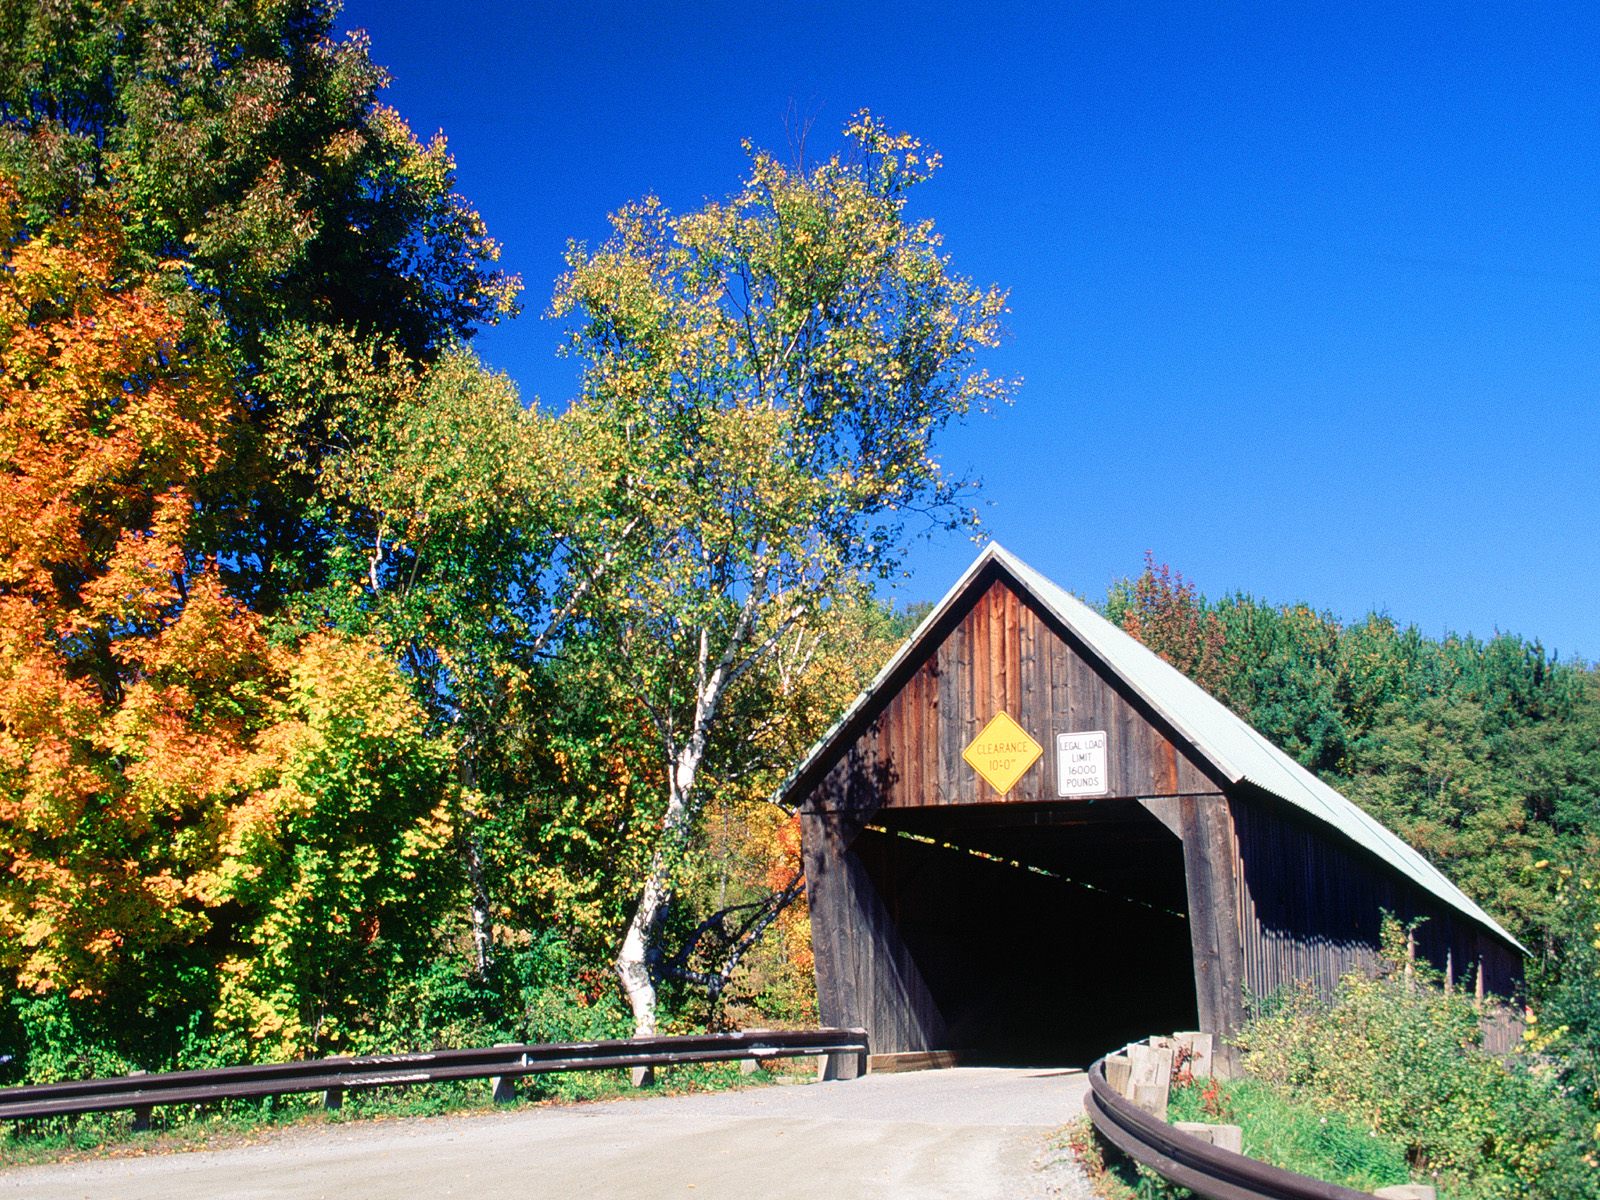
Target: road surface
{"type": "Point", "coordinates": [968, 1133]}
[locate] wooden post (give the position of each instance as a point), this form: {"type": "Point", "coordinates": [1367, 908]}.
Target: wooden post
{"type": "Point", "coordinates": [1119, 1074]}
{"type": "Point", "coordinates": [333, 1099]}
{"type": "Point", "coordinates": [1150, 1077]}
{"type": "Point", "coordinates": [1209, 872]}
{"type": "Point", "coordinates": [1223, 1137]}
{"type": "Point", "coordinates": [1152, 1098]}
{"type": "Point", "coordinates": [846, 1064]}
{"type": "Point", "coordinates": [1199, 1046]}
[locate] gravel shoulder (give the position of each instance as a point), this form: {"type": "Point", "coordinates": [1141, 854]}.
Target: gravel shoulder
{"type": "Point", "coordinates": [972, 1133]}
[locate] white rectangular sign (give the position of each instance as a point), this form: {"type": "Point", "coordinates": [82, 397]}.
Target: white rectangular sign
{"type": "Point", "coordinates": [1081, 764]}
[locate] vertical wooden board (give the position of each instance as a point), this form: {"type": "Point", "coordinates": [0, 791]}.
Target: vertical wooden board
{"type": "Point", "coordinates": [1191, 778]}
{"type": "Point", "coordinates": [1126, 751]}
{"type": "Point", "coordinates": [965, 784]}
{"type": "Point", "coordinates": [916, 736]}
{"type": "Point", "coordinates": [932, 752]}
{"type": "Point", "coordinates": [867, 754]}
{"type": "Point", "coordinates": [1133, 736]}
{"type": "Point", "coordinates": [925, 731]}
{"type": "Point", "coordinates": [1166, 758]}
{"type": "Point", "coordinates": [1013, 652]}
{"type": "Point", "coordinates": [1089, 711]}
{"type": "Point", "coordinates": [948, 717]}
{"type": "Point", "coordinates": [1049, 719]}
{"type": "Point", "coordinates": [1031, 712]}
{"type": "Point", "coordinates": [978, 687]}
{"type": "Point", "coordinates": [1060, 689]}
{"type": "Point", "coordinates": [884, 751]}
{"type": "Point", "coordinates": [906, 749]}
{"type": "Point", "coordinates": [990, 683]}
{"type": "Point", "coordinates": [990, 700]}
{"type": "Point", "coordinates": [1071, 669]}
{"type": "Point", "coordinates": [904, 770]}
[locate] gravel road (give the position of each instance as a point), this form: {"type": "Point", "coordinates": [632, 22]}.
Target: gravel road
{"type": "Point", "coordinates": [967, 1133]}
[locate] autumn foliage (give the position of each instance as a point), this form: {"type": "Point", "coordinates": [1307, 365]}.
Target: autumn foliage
{"type": "Point", "coordinates": [156, 753]}
{"type": "Point", "coordinates": [127, 677]}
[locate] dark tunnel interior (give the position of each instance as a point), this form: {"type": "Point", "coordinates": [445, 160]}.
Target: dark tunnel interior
{"type": "Point", "coordinates": [1046, 937]}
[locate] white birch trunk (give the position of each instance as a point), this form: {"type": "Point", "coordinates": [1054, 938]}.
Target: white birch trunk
{"type": "Point", "coordinates": [481, 916]}
{"type": "Point", "coordinates": [711, 680]}
{"type": "Point", "coordinates": [633, 959]}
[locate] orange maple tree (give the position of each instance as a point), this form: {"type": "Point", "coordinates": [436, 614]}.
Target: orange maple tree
{"type": "Point", "coordinates": [127, 675]}
{"type": "Point", "coordinates": [168, 776]}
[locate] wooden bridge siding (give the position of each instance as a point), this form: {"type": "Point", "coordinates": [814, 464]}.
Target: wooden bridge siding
{"type": "Point", "coordinates": [1310, 909]}
{"type": "Point", "coordinates": [1002, 655]}
{"type": "Point", "coordinates": [1212, 873]}
{"type": "Point", "coordinates": [864, 969]}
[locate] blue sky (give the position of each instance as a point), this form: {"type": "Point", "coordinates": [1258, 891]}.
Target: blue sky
{"type": "Point", "coordinates": [1306, 298]}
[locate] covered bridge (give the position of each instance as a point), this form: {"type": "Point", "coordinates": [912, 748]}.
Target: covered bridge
{"type": "Point", "coordinates": [1032, 839]}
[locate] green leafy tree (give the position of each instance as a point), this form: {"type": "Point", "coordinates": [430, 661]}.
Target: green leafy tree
{"type": "Point", "coordinates": [340, 854]}
{"type": "Point", "coordinates": [1485, 755]}
{"type": "Point", "coordinates": [244, 152]}
{"type": "Point", "coordinates": [762, 383]}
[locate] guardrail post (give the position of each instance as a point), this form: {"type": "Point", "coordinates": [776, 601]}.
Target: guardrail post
{"type": "Point", "coordinates": [844, 1064]}
{"type": "Point", "coordinates": [333, 1099]}
{"type": "Point", "coordinates": [141, 1112]}
{"type": "Point", "coordinates": [503, 1088]}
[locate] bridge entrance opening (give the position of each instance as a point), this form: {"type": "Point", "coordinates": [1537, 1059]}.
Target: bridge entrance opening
{"type": "Point", "coordinates": [1044, 936]}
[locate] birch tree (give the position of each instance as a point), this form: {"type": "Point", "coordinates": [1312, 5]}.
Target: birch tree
{"type": "Point", "coordinates": [763, 381]}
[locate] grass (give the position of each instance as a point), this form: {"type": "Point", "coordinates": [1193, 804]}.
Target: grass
{"type": "Point", "coordinates": [1295, 1136]}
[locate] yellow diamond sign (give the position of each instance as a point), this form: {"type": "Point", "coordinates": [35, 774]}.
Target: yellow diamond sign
{"type": "Point", "coordinates": [1002, 753]}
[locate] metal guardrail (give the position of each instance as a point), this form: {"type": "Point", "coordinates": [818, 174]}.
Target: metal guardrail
{"type": "Point", "coordinates": [1189, 1162]}
{"type": "Point", "coordinates": [333, 1076]}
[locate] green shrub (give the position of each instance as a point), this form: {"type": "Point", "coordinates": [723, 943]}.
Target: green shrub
{"type": "Point", "coordinates": [1403, 1058]}
{"type": "Point", "coordinates": [1567, 983]}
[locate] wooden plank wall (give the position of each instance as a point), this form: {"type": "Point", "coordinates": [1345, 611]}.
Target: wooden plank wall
{"type": "Point", "coordinates": [866, 975]}
{"type": "Point", "coordinates": [1003, 655]}
{"type": "Point", "coordinates": [1310, 908]}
